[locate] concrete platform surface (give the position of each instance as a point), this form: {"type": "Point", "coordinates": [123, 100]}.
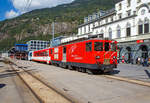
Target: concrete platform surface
{"type": "Point", "coordinates": [90, 88]}
{"type": "Point", "coordinates": [12, 89]}
{"type": "Point", "coordinates": [137, 72]}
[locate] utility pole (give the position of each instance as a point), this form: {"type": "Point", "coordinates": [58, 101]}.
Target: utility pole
{"type": "Point", "coordinates": [53, 30]}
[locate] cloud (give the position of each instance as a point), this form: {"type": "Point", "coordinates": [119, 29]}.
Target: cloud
{"type": "Point", "coordinates": [28, 5]}
{"type": "Point", "coordinates": [11, 14]}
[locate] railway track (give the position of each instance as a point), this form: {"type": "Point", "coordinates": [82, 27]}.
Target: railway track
{"type": "Point", "coordinates": [43, 97]}
{"type": "Point", "coordinates": [44, 92]}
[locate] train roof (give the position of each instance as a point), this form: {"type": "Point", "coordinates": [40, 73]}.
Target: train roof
{"type": "Point", "coordinates": [41, 50]}
{"type": "Point", "coordinates": [84, 39]}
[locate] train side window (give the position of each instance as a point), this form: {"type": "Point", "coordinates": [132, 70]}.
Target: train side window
{"type": "Point", "coordinates": [89, 46]}
{"type": "Point", "coordinates": [64, 50]}
{"type": "Point", "coordinates": [113, 47]}
{"type": "Point", "coordinates": [98, 46]}
{"type": "Point", "coordinates": [106, 46]}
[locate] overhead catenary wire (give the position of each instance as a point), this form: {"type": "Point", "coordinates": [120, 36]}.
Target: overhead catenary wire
{"type": "Point", "coordinates": [27, 5]}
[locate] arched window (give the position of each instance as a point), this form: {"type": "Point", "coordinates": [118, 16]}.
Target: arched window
{"type": "Point", "coordinates": [84, 29]}
{"type": "Point", "coordinates": [110, 33]}
{"type": "Point", "coordinates": [140, 27]}
{"type": "Point", "coordinates": [118, 31]}
{"type": "Point", "coordinates": [128, 29]}
{"type": "Point", "coordinates": [88, 28]}
{"type": "Point", "coordinates": [97, 32]}
{"type": "Point", "coordinates": [102, 32]}
{"type": "Point", "coordinates": [146, 25]}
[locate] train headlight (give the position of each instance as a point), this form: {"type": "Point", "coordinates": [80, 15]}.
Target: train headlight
{"type": "Point", "coordinates": [114, 57]}
{"type": "Point", "coordinates": [97, 57]}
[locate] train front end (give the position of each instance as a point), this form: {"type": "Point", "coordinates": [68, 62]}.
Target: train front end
{"type": "Point", "coordinates": [106, 55]}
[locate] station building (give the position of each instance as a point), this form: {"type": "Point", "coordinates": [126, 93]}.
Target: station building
{"type": "Point", "coordinates": [128, 23]}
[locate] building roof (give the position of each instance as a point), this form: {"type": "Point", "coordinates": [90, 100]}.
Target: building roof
{"type": "Point", "coordinates": [107, 13]}
{"type": "Point", "coordinates": [21, 44]}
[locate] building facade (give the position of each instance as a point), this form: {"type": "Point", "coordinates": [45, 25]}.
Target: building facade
{"type": "Point", "coordinates": [37, 45]}
{"type": "Point", "coordinates": [128, 23]}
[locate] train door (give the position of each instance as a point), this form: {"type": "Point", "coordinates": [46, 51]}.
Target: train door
{"type": "Point", "coordinates": [64, 54]}
{"type": "Point", "coordinates": [107, 53]}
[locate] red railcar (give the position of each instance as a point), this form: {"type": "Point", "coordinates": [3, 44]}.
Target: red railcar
{"type": "Point", "coordinates": [86, 56]}
{"type": "Point", "coordinates": [42, 56]}
{"type": "Point", "coordinates": [93, 55]}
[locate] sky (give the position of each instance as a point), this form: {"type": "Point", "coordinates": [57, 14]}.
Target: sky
{"type": "Point", "coordinates": [13, 8]}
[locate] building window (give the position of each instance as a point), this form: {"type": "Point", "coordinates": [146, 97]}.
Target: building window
{"type": "Point", "coordinates": [81, 30]}
{"type": "Point", "coordinates": [93, 24]}
{"type": "Point", "coordinates": [91, 17]}
{"type": "Point", "coordinates": [112, 19]}
{"type": "Point", "coordinates": [138, 1]}
{"type": "Point", "coordinates": [118, 32]}
{"type": "Point", "coordinates": [84, 29]}
{"type": "Point", "coordinates": [128, 29]}
{"type": "Point", "coordinates": [89, 28]}
{"type": "Point", "coordinates": [97, 32]}
{"type": "Point", "coordinates": [120, 16]}
{"type": "Point", "coordinates": [99, 23]}
{"type": "Point", "coordinates": [128, 3]}
{"type": "Point", "coordinates": [129, 13]}
{"type": "Point", "coordinates": [97, 16]}
{"type": "Point", "coordinates": [146, 26]}
{"type": "Point", "coordinates": [120, 6]}
{"type": "Point", "coordinates": [106, 20]}
{"type": "Point", "coordinates": [85, 19]}
{"type": "Point", "coordinates": [110, 33]}
{"type": "Point", "coordinates": [102, 32]}
{"type": "Point", "coordinates": [143, 12]}
{"type": "Point", "coordinates": [140, 27]}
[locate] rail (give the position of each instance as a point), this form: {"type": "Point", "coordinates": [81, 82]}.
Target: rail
{"type": "Point", "coordinates": [64, 98]}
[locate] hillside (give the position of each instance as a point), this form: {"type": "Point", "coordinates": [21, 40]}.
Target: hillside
{"type": "Point", "coordinates": [37, 24]}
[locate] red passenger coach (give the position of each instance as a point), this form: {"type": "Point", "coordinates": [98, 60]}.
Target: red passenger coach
{"type": "Point", "coordinates": [86, 56]}
{"type": "Point", "coordinates": [42, 56]}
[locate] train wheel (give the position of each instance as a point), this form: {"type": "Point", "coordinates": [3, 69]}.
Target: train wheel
{"type": "Point", "coordinates": [76, 68]}
{"type": "Point", "coordinates": [92, 72]}
{"type": "Point", "coordinates": [79, 69]}
{"type": "Point", "coordinates": [70, 67]}
{"type": "Point", "coordinates": [60, 65]}
{"type": "Point", "coordinates": [89, 71]}
{"type": "Point", "coordinates": [65, 66]}
{"type": "Point", "coordinates": [83, 70]}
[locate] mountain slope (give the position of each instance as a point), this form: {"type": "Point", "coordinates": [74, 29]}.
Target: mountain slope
{"type": "Point", "coordinates": [37, 24]}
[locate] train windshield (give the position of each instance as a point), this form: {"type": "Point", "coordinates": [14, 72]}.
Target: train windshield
{"type": "Point", "coordinates": [113, 46]}
{"type": "Point", "coordinates": [98, 46]}
{"type": "Point", "coordinates": [107, 45]}
{"type": "Point", "coordinates": [30, 54]}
